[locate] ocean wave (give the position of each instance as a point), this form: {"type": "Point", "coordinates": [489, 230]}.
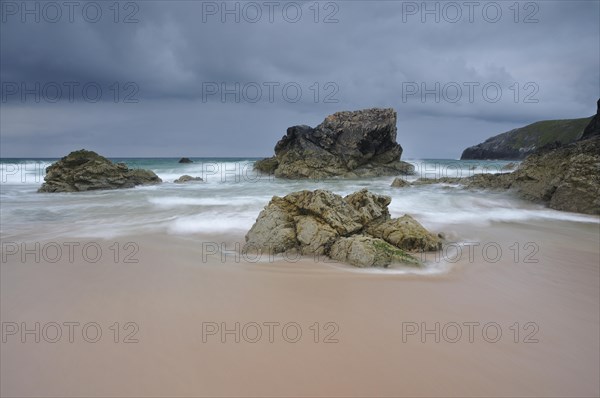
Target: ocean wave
{"type": "Point", "coordinates": [212, 223]}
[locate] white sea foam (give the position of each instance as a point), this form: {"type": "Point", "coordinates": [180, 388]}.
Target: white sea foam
{"type": "Point", "coordinates": [26, 172]}
{"type": "Point", "coordinates": [225, 203]}
{"type": "Point", "coordinates": [212, 223]}
{"type": "Point", "coordinates": [170, 202]}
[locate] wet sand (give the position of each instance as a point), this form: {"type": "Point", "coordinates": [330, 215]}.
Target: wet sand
{"type": "Point", "coordinates": [172, 300]}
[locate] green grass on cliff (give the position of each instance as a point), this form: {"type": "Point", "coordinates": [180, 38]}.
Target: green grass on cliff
{"type": "Point", "coordinates": [547, 131]}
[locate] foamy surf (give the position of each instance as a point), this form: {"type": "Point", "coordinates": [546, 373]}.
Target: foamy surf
{"type": "Point", "coordinates": [231, 197]}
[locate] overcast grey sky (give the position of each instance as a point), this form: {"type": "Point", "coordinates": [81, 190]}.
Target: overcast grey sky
{"type": "Point", "coordinates": [193, 78]}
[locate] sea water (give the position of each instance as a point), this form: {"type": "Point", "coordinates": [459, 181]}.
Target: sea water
{"type": "Point", "coordinates": [231, 197]}
{"type": "Point", "coordinates": [222, 208]}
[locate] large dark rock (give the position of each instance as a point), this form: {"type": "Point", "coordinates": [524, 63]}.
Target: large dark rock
{"type": "Point", "coordinates": [87, 171]}
{"type": "Point", "coordinates": [519, 143]}
{"type": "Point", "coordinates": [356, 229]}
{"type": "Point", "coordinates": [348, 144]}
{"type": "Point", "coordinates": [186, 160]}
{"type": "Point", "coordinates": [593, 128]}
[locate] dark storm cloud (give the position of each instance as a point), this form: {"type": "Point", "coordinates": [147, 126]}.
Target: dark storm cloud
{"type": "Point", "coordinates": [378, 53]}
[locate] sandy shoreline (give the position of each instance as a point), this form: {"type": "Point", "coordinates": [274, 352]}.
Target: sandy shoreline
{"type": "Point", "coordinates": [171, 300]}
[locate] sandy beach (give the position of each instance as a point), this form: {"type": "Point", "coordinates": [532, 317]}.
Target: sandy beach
{"type": "Point", "coordinates": [299, 199]}
{"type": "Point", "coordinates": [361, 331]}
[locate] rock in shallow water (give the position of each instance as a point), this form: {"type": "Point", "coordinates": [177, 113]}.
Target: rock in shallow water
{"type": "Point", "coordinates": [87, 171]}
{"type": "Point", "coordinates": [567, 178]}
{"type": "Point", "coordinates": [407, 233]}
{"type": "Point", "coordinates": [399, 183]}
{"type": "Point", "coordinates": [365, 251]}
{"type": "Point", "coordinates": [564, 178]}
{"type": "Point", "coordinates": [187, 178]}
{"type": "Point", "coordinates": [356, 229]}
{"type": "Point", "coordinates": [348, 144]}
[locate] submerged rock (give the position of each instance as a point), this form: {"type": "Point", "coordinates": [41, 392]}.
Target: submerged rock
{"type": "Point", "coordinates": [87, 171]}
{"type": "Point", "coordinates": [356, 229]}
{"type": "Point", "coordinates": [185, 160]}
{"type": "Point", "coordinates": [348, 144]}
{"type": "Point", "coordinates": [187, 178]}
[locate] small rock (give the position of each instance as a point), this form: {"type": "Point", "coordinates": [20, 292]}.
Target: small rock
{"type": "Point", "coordinates": [87, 171]}
{"type": "Point", "coordinates": [440, 180]}
{"type": "Point", "coordinates": [399, 183]}
{"type": "Point", "coordinates": [185, 160]}
{"type": "Point", "coordinates": [186, 178]}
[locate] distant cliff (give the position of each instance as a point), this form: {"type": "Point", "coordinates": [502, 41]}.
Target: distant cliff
{"type": "Point", "coordinates": [518, 143]}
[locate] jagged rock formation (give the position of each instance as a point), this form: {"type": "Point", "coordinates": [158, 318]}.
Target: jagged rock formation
{"type": "Point", "coordinates": [565, 178]}
{"type": "Point", "coordinates": [87, 171]}
{"type": "Point", "coordinates": [348, 144]}
{"type": "Point", "coordinates": [518, 143]}
{"type": "Point", "coordinates": [356, 229]}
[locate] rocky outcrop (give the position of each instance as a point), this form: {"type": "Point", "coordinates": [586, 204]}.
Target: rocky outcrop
{"type": "Point", "coordinates": [593, 128]}
{"type": "Point", "coordinates": [561, 170]}
{"type": "Point", "coordinates": [407, 233]}
{"type": "Point", "coordinates": [365, 251]}
{"type": "Point", "coordinates": [356, 229]}
{"type": "Point", "coordinates": [441, 180]}
{"type": "Point", "coordinates": [519, 143]}
{"type": "Point", "coordinates": [565, 178]}
{"type": "Point", "coordinates": [187, 178]}
{"type": "Point", "coordinates": [348, 144]}
{"type": "Point", "coordinates": [87, 171]}
{"type": "Point", "coordinates": [509, 166]}
{"type": "Point", "coordinates": [267, 166]}
{"type": "Point", "coordinates": [185, 160]}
